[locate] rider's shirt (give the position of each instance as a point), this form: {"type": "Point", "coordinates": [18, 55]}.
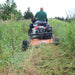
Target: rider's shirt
{"type": "Point", "coordinates": [41, 16]}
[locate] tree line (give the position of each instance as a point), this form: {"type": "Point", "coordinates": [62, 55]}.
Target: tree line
{"type": "Point", "coordinates": [64, 19]}
{"type": "Point", "coordinates": [70, 16]}
{"type": "Point", "coordinates": [8, 10]}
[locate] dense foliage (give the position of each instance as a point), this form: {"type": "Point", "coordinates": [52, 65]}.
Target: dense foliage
{"type": "Point", "coordinates": [9, 10]}
{"type": "Point", "coordinates": [28, 14]}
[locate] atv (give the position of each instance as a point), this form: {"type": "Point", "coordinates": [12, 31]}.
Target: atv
{"type": "Point", "coordinates": [40, 33]}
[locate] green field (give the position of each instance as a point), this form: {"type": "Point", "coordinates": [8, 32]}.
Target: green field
{"type": "Point", "coordinates": [44, 59]}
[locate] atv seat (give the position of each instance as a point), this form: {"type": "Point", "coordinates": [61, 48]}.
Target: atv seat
{"type": "Point", "coordinates": [43, 24]}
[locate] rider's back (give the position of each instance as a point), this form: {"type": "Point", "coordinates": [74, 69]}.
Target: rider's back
{"type": "Point", "coordinates": [41, 16]}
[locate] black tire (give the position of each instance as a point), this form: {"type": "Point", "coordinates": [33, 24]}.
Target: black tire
{"type": "Point", "coordinates": [56, 41]}
{"type": "Point", "coordinates": [25, 45]}
{"type": "Point", "coordinates": [29, 32]}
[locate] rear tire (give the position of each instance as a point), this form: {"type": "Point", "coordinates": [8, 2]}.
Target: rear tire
{"type": "Point", "coordinates": [25, 45]}
{"type": "Point", "coordinates": [56, 41]}
{"type": "Point", "coordinates": [29, 32]}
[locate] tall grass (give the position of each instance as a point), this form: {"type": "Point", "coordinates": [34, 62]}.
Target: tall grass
{"type": "Point", "coordinates": [11, 36]}
{"type": "Point", "coordinates": [66, 32]}
{"type": "Point", "coordinates": [42, 59]}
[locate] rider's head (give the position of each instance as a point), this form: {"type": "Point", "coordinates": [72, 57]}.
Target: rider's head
{"type": "Point", "coordinates": [41, 9]}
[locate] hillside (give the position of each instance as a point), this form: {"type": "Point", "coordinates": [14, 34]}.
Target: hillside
{"type": "Point", "coordinates": [44, 59]}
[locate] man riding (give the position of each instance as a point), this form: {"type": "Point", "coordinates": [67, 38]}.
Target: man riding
{"type": "Point", "coordinates": [41, 16]}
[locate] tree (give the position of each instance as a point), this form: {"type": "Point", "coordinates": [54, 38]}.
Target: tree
{"type": "Point", "coordinates": [9, 8]}
{"type": "Point", "coordinates": [17, 15]}
{"type": "Point", "coordinates": [28, 14]}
